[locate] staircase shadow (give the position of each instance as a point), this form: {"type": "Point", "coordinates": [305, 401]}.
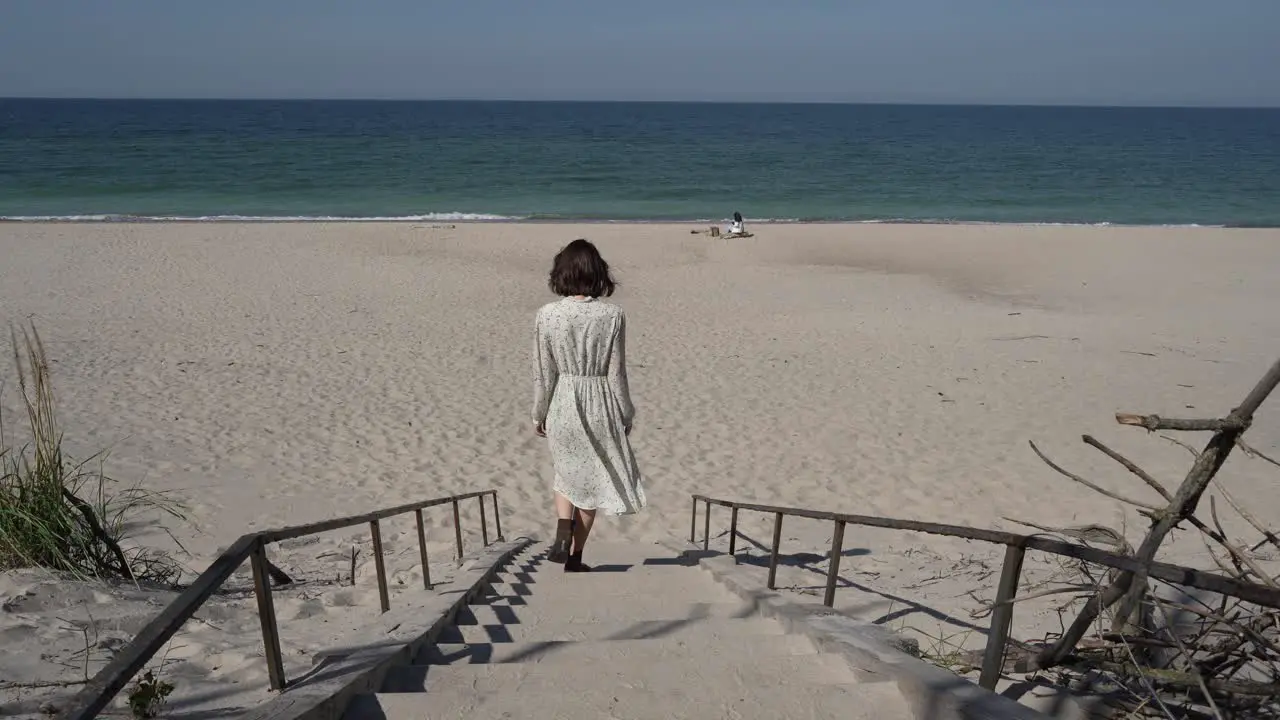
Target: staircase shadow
{"type": "Point", "coordinates": [610, 568]}
{"type": "Point", "coordinates": [483, 653]}
{"type": "Point", "coordinates": [188, 708]}
{"type": "Point", "coordinates": [506, 612]}
{"type": "Point", "coordinates": [522, 571]}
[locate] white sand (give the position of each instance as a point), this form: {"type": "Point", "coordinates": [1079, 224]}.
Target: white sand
{"type": "Point", "coordinates": [280, 374]}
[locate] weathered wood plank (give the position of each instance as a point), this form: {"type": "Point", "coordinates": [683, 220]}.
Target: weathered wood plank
{"type": "Point", "coordinates": [1176, 574]}
{"type": "Point", "coordinates": [109, 681]}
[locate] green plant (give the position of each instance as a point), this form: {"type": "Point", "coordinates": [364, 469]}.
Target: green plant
{"type": "Point", "coordinates": [62, 515]}
{"type": "Point", "coordinates": [148, 696]}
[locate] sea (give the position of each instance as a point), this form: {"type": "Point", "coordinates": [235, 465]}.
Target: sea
{"type": "Point", "coordinates": [207, 160]}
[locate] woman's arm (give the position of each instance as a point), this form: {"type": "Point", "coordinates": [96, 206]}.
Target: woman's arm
{"type": "Point", "coordinates": [545, 370]}
{"type": "Point", "coordinates": [618, 371]}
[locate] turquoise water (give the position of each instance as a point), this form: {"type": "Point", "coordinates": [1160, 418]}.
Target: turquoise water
{"type": "Point", "coordinates": [95, 159]}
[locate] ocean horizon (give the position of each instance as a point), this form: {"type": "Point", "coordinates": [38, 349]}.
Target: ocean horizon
{"type": "Point", "coordinates": [635, 161]}
{"type": "Point", "coordinates": [621, 101]}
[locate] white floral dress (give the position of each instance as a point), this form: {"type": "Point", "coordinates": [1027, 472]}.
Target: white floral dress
{"type": "Point", "coordinates": [581, 395]}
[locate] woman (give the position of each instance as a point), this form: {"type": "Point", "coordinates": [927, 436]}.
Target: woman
{"type": "Point", "coordinates": [736, 228]}
{"type": "Point", "coordinates": [581, 403]}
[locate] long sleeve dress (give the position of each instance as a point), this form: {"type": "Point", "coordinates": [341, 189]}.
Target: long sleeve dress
{"type": "Point", "coordinates": [581, 395]}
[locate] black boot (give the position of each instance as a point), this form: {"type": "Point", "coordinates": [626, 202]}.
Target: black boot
{"type": "Point", "coordinates": [574, 564]}
{"type": "Point", "coordinates": [559, 551]}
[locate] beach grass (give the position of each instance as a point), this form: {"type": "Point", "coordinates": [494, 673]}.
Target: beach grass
{"type": "Point", "coordinates": [69, 516]}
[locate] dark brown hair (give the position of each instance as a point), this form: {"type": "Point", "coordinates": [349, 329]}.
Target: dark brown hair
{"type": "Point", "coordinates": [579, 270]}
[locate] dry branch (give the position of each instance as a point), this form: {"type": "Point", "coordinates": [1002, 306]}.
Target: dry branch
{"type": "Point", "coordinates": [1254, 452]}
{"type": "Point", "coordinates": [1199, 678]}
{"type": "Point", "coordinates": [1129, 465]}
{"type": "Point", "coordinates": [1249, 518]}
{"type": "Point", "coordinates": [1155, 422]}
{"type": "Point", "coordinates": [1091, 486]}
{"type": "Point", "coordinates": [40, 684]}
{"type": "Point", "coordinates": [1238, 555]}
{"type": "Point", "coordinates": [1186, 681]}
{"type": "Point", "coordinates": [1084, 533]}
{"type": "Point", "coordinates": [91, 520]}
{"type": "Point", "coordinates": [1184, 445]}
{"type": "Point", "coordinates": [1131, 586]}
{"type": "Point", "coordinates": [1254, 634]}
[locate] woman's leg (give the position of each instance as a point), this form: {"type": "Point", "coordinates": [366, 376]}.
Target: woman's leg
{"type": "Point", "coordinates": [559, 552]}
{"type": "Point", "coordinates": [586, 518]}
{"type": "Point", "coordinates": [581, 529]}
{"type": "Point", "coordinates": [564, 508]}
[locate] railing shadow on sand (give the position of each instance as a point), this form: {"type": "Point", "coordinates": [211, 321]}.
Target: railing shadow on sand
{"type": "Point", "coordinates": [1016, 547]}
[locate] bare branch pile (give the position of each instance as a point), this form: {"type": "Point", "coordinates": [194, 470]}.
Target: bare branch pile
{"type": "Point", "coordinates": [1166, 651]}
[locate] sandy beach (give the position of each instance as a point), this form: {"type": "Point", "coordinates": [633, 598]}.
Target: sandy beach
{"type": "Point", "coordinates": [277, 374]}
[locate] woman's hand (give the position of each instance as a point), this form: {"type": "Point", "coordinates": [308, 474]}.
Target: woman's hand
{"type": "Point", "coordinates": [540, 429]}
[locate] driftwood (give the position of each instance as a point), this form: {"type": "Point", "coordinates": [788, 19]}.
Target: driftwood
{"type": "Point", "coordinates": [1128, 588]}
{"type": "Point", "coordinates": [41, 684]}
{"type": "Point", "coordinates": [122, 568]}
{"type": "Point", "coordinates": [1218, 658]}
{"type": "Point", "coordinates": [1155, 422]}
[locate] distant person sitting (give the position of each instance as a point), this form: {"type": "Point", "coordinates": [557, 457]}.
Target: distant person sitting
{"type": "Point", "coordinates": [736, 228]}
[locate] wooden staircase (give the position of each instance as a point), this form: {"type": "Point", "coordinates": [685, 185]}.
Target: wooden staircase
{"type": "Point", "coordinates": [647, 635]}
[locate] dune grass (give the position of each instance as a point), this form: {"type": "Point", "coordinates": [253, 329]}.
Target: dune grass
{"type": "Point", "coordinates": [67, 516]}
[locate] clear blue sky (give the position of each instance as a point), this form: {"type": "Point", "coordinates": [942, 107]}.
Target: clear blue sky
{"type": "Point", "coordinates": [1180, 52]}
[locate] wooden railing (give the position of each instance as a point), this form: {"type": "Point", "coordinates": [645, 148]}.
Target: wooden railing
{"type": "Point", "coordinates": [1016, 547]}
{"type": "Point", "coordinates": [109, 681]}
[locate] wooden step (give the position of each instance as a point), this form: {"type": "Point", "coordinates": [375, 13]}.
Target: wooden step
{"type": "Point", "coordinates": [566, 699]}
{"type": "Point", "coordinates": [620, 628]}
{"type": "Point", "coordinates": [592, 664]}
{"type": "Point", "coordinates": [657, 648]}
{"type": "Point", "coordinates": [542, 600]}
{"type": "Point", "coordinates": [587, 610]}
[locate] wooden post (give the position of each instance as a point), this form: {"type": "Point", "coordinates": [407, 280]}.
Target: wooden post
{"type": "Point", "coordinates": [715, 231]}
{"type": "Point", "coordinates": [706, 526]}
{"type": "Point", "coordinates": [422, 550]}
{"type": "Point", "coordinates": [484, 525]}
{"type": "Point", "coordinates": [773, 555]}
{"type": "Point", "coordinates": [457, 529]}
{"type": "Point", "coordinates": [497, 519]}
{"type": "Point", "coordinates": [693, 523]}
{"type": "Point", "coordinates": [380, 566]}
{"type": "Point", "coordinates": [833, 572]}
{"type": "Point", "coordinates": [1001, 617]}
{"type": "Point", "coordinates": [267, 617]}
{"type": "Point", "coordinates": [733, 531]}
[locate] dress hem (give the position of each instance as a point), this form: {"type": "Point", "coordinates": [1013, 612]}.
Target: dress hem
{"type": "Point", "coordinates": [613, 512]}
